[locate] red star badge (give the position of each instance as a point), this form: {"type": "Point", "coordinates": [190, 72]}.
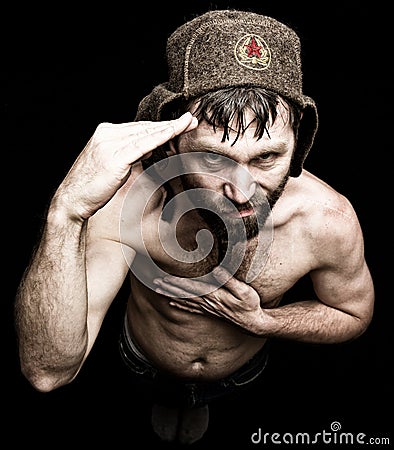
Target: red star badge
{"type": "Point", "coordinates": [254, 49]}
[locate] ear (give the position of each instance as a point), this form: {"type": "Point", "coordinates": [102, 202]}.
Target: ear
{"type": "Point", "coordinates": [171, 149]}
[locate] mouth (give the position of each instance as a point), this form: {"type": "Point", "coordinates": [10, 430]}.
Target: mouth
{"type": "Point", "coordinates": [241, 213]}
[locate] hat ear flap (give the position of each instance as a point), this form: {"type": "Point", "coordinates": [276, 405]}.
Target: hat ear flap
{"type": "Point", "coordinates": [305, 137]}
{"type": "Point", "coordinates": [150, 107]}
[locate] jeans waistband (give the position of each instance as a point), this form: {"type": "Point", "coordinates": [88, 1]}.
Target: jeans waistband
{"type": "Point", "coordinates": [198, 392]}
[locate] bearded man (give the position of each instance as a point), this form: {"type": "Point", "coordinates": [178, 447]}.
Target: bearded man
{"type": "Point", "coordinates": [204, 204]}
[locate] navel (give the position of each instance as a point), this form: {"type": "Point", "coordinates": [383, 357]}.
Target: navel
{"type": "Point", "coordinates": [198, 364]}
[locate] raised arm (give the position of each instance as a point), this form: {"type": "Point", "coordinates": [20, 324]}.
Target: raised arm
{"type": "Point", "coordinates": [67, 288]}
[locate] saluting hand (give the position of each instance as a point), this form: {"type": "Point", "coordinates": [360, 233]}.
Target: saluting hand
{"type": "Point", "coordinates": [105, 163]}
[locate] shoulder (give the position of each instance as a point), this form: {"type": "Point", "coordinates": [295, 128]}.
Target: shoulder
{"type": "Point", "coordinates": [312, 199]}
{"type": "Point", "coordinates": [325, 218]}
{"type": "Point", "coordinates": [322, 200]}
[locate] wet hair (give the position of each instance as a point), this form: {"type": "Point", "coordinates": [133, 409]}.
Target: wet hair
{"type": "Point", "coordinates": [228, 106]}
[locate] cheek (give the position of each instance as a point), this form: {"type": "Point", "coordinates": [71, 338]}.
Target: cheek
{"type": "Point", "coordinates": [270, 179]}
{"type": "Point", "coordinates": [206, 181]}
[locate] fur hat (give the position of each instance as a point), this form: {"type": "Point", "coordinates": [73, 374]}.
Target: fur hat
{"type": "Point", "coordinates": [224, 48]}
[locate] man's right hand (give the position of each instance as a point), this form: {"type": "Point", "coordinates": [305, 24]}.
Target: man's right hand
{"type": "Point", "coordinates": [105, 163]}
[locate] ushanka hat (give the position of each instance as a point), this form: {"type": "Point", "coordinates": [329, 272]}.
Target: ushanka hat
{"type": "Point", "coordinates": [226, 48]}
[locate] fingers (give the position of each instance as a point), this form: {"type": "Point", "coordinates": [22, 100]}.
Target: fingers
{"type": "Point", "coordinates": [129, 142]}
{"type": "Point", "coordinates": [178, 287]}
{"type": "Point", "coordinates": [170, 290]}
{"type": "Point", "coordinates": [186, 306]}
{"type": "Point", "coordinates": [236, 287]}
{"type": "Point", "coordinates": [221, 275]}
{"type": "Point", "coordinates": [183, 287]}
{"type": "Point", "coordinates": [154, 134]}
{"type": "Point", "coordinates": [174, 127]}
{"type": "Point", "coordinates": [110, 131]}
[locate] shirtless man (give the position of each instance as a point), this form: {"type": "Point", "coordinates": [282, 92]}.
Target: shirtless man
{"type": "Point", "coordinates": [231, 129]}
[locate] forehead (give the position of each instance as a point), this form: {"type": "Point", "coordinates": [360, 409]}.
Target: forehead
{"type": "Point", "coordinates": [205, 137]}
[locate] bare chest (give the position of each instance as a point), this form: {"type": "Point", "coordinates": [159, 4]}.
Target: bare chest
{"type": "Point", "coordinates": [272, 268]}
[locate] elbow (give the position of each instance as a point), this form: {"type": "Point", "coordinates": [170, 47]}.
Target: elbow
{"type": "Point", "coordinates": [363, 315]}
{"type": "Point", "coordinates": [365, 319]}
{"type": "Point", "coordinates": [360, 325]}
{"type": "Point", "coordinates": [46, 381]}
{"type": "Point", "coordinates": [364, 325]}
{"type": "Point", "coordinates": [360, 318]}
{"type": "Point", "coordinates": [44, 384]}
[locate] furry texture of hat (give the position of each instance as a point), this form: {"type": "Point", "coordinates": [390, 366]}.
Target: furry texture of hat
{"type": "Point", "coordinates": [224, 48]}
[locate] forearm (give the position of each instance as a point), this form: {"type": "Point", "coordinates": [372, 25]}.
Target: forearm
{"type": "Point", "coordinates": [51, 305]}
{"type": "Point", "coordinates": [310, 322]}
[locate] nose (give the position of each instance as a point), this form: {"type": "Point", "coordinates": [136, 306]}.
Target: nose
{"type": "Point", "coordinates": [240, 185]}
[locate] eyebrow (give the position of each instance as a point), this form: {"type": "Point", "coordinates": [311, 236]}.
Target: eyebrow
{"type": "Point", "coordinates": [279, 147]}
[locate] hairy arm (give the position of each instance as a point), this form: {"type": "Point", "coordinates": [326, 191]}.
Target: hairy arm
{"type": "Point", "coordinates": [67, 289]}
{"type": "Point", "coordinates": [58, 315]}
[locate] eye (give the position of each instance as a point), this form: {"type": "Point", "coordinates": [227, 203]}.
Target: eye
{"type": "Point", "coordinates": [213, 158]}
{"type": "Point", "coordinates": [266, 156]}
{"type": "Point", "coordinates": [265, 159]}
{"type": "Point", "coordinates": [215, 162]}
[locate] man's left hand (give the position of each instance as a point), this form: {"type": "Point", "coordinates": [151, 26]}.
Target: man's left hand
{"type": "Point", "coordinates": [229, 298]}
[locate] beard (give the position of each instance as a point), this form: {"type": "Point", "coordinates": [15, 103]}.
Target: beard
{"type": "Point", "coordinates": [230, 229]}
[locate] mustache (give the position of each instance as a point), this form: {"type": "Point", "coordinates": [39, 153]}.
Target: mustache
{"type": "Point", "coordinates": [255, 203]}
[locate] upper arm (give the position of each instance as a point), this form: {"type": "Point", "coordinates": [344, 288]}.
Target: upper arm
{"type": "Point", "coordinates": [107, 264]}
{"type": "Point", "coordinates": [113, 239]}
{"type": "Point", "coordinates": [342, 279]}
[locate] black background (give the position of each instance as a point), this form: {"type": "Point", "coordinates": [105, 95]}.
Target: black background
{"type": "Point", "coordinates": [65, 69]}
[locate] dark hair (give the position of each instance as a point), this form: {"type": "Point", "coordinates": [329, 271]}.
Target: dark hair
{"type": "Point", "coordinates": [227, 106]}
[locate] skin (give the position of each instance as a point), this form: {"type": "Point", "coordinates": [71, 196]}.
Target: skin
{"type": "Point", "coordinates": [182, 329]}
